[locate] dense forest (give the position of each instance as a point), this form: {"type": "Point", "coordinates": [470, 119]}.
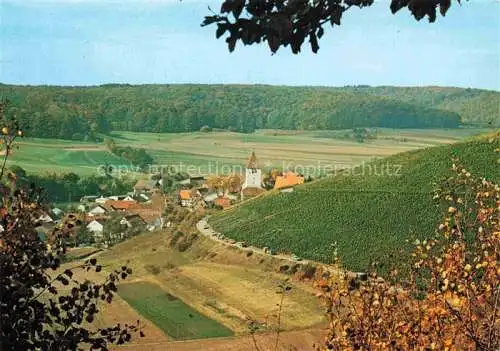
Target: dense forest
{"type": "Point", "coordinates": [86, 113]}
{"type": "Point", "coordinates": [475, 106]}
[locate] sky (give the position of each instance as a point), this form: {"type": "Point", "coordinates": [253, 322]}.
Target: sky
{"type": "Point", "coordinates": [91, 42]}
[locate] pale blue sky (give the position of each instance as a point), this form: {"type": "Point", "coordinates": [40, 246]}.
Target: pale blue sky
{"type": "Point", "coordinates": [87, 42]}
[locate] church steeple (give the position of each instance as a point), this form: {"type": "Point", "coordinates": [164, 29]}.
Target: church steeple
{"type": "Point", "coordinates": [252, 185]}
{"type": "Point", "coordinates": [252, 161]}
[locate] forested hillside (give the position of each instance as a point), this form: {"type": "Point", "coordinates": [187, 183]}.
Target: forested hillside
{"type": "Point", "coordinates": [473, 105]}
{"type": "Point", "coordinates": [86, 112]}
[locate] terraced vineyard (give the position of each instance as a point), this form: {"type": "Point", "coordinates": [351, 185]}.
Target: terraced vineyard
{"type": "Point", "coordinates": [372, 213]}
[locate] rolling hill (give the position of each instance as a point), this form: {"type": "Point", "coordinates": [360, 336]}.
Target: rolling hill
{"type": "Point", "coordinates": [81, 113]}
{"type": "Point", "coordinates": [372, 215]}
{"type": "Point", "coordinates": [473, 105]}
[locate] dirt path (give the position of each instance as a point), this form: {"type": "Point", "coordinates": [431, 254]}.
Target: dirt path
{"type": "Point", "coordinates": [85, 148]}
{"type": "Point", "coordinates": [205, 229]}
{"type": "Point", "coordinates": [302, 340]}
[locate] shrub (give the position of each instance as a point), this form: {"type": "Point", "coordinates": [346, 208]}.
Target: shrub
{"type": "Point", "coordinates": [175, 238]}
{"type": "Point", "coordinates": [308, 271]}
{"type": "Point", "coordinates": [284, 268]}
{"type": "Point", "coordinates": [153, 269]}
{"type": "Point", "coordinates": [187, 242]}
{"type": "Point", "coordinates": [45, 310]}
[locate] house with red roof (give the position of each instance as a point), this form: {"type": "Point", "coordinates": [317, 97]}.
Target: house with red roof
{"type": "Point", "coordinates": [287, 181]}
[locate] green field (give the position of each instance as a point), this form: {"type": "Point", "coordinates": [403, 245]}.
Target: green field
{"type": "Point", "coordinates": [53, 155]}
{"type": "Point", "coordinates": [371, 214]}
{"type": "Point", "coordinates": [224, 152]}
{"type": "Point", "coordinates": [174, 317]}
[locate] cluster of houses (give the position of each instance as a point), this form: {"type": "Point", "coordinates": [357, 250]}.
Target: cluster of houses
{"type": "Point", "coordinates": [140, 210]}
{"type": "Point", "coordinates": [197, 193]}
{"type": "Point", "coordinates": [143, 207]}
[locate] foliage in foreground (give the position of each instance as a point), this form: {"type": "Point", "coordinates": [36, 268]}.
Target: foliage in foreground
{"type": "Point", "coordinates": [291, 22]}
{"type": "Point", "coordinates": [43, 307]}
{"type": "Point", "coordinates": [371, 213]}
{"type": "Point", "coordinates": [451, 300]}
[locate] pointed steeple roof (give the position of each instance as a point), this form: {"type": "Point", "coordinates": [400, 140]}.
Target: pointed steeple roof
{"type": "Point", "coordinates": [252, 161]}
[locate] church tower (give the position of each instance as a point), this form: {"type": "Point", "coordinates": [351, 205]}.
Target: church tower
{"type": "Point", "coordinates": [252, 185]}
{"type": "Point", "coordinates": [253, 175]}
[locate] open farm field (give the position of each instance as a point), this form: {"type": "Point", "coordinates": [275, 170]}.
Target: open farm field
{"type": "Point", "coordinates": [225, 152]}
{"type": "Point", "coordinates": [217, 291]}
{"type": "Point", "coordinates": [170, 314]}
{"type": "Point", "coordinates": [48, 155]}
{"type": "Point", "coordinates": [223, 284]}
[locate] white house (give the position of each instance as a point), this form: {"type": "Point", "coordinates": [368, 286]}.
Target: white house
{"type": "Point", "coordinates": [81, 208]}
{"type": "Point", "coordinates": [45, 218]}
{"type": "Point", "coordinates": [186, 198]}
{"type": "Point", "coordinates": [88, 198]}
{"type": "Point", "coordinates": [210, 197]}
{"type": "Point", "coordinates": [129, 198]}
{"type": "Point", "coordinates": [98, 210]}
{"type": "Point", "coordinates": [232, 197]}
{"type": "Point", "coordinates": [101, 199]}
{"type": "Point", "coordinates": [57, 211]}
{"type": "Point", "coordinates": [155, 224]}
{"type": "Point", "coordinates": [185, 182]}
{"type": "Point", "coordinates": [95, 228]}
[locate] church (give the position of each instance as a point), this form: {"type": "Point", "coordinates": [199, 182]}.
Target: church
{"type": "Point", "coordinates": [252, 185]}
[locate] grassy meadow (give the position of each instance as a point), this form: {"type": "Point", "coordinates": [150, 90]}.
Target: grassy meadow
{"type": "Point", "coordinates": [224, 152]}
{"type": "Point", "coordinates": [174, 317]}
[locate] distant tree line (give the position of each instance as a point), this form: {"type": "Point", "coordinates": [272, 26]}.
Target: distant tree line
{"type": "Point", "coordinates": [70, 187]}
{"type": "Point", "coordinates": [137, 156]}
{"type": "Point", "coordinates": [88, 113]}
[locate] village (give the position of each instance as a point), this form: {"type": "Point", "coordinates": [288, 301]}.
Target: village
{"type": "Point", "coordinates": [103, 221]}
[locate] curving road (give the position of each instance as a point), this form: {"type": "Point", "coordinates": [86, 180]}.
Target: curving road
{"type": "Point", "coordinates": [205, 229]}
